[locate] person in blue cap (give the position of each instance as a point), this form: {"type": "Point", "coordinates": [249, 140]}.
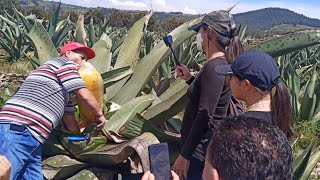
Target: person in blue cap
{"type": "Point", "coordinates": [209, 95]}
{"type": "Point", "coordinates": [255, 79]}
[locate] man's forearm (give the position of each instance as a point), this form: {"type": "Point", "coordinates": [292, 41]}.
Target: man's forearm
{"type": "Point", "coordinates": [88, 99]}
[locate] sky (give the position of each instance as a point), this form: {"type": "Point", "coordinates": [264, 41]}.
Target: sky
{"type": "Point", "coordinates": [309, 8]}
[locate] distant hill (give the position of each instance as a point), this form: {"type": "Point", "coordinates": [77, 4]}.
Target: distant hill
{"type": "Point", "coordinates": [270, 17]}
{"type": "Point", "coordinates": [262, 19]}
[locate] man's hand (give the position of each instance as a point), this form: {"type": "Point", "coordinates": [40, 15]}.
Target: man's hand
{"type": "Point", "coordinates": [181, 166]}
{"type": "Point", "coordinates": [5, 168]}
{"type": "Point", "coordinates": [100, 122]}
{"type": "Point", "coordinates": [183, 72]}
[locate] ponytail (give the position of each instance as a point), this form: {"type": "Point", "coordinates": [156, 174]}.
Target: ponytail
{"type": "Point", "coordinates": [281, 111]}
{"type": "Point", "coordinates": [234, 48]}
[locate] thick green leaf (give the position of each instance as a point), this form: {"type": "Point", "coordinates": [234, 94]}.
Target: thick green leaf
{"type": "Point", "coordinates": [169, 106]}
{"type": "Point", "coordinates": [42, 43]}
{"type": "Point", "coordinates": [94, 174]}
{"type": "Point", "coordinates": [139, 125]}
{"type": "Point", "coordinates": [24, 20]}
{"type": "Point", "coordinates": [301, 162]}
{"type": "Point", "coordinates": [284, 44]}
{"type": "Point", "coordinates": [54, 21]}
{"type": "Point", "coordinates": [309, 98]}
{"type": "Point", "coordinates": [129, 52]}
{"type": "Point", "coordinates": [84, 175]}
{"type": "Point", "coordinates": [126, 113]}
{"type": "Point", "coordinates": [150, 63]}
{"type": "Point", "coordinates": [314, 159]}
{"type": "Point", "coordinates": [62, 32]}
{"type": "Point", "coordinates": [61, 167]}
{"type": "Point", "coordinates": [92, 34]}
{"type": "Point", "coordinates": [102, 60]}
{"type": "Point", "coordinates": [109, 80]}
{"type": "Point", "coordinates": [14, 26]}
{"type": "Point", "coordinates": [80, 34]}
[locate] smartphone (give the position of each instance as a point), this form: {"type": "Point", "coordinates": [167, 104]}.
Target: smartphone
{"type": "Point", "coordinates": [159, 161]}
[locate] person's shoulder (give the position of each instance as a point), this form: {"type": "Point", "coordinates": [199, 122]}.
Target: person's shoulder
{"type": "Point", "coordinates": [217, 61]}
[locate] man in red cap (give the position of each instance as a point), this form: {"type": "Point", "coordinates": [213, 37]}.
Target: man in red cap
{"type": "Point", "coordinates": [28, 117]}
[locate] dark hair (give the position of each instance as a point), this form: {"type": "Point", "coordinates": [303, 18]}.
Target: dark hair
{"type": "Point", "coordinates": [248, 148]}
{"type": "Point", "coordinates": [231, 46]}
{"type": "Point", "coordinates": [281, 110]}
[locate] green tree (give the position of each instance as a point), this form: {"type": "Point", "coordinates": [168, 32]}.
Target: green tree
{"type": "Point", "coordinates": [6, 5]}
{"type": "Point", "coordinates": [97, 15]}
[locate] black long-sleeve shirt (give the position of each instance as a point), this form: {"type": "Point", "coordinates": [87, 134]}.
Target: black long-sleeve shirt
{"type": "Point", "coordinates": [209, 96]}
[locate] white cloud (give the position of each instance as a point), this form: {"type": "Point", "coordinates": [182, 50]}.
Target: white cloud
{"type": "Point", "coordinates": [187, 10]}
{"type": "Point", "coordinates": [130, 4]}
{"type": "Point", "coordinates": [200, 6]}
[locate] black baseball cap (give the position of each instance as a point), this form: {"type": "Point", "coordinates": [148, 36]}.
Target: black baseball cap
{"type": "Point", "coordinates": [221, 21]}
{"type": "Point", "coordinates": [256, 66]}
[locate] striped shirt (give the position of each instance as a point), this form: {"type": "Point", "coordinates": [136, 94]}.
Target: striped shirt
{"type": "Point", "coordinates": [44, 97]}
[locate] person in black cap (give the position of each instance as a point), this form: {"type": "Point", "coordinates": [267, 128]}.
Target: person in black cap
{"type": "Point", "coordinates": [209, 94]}
{"type": "Point", "coordinates": [255, 79]}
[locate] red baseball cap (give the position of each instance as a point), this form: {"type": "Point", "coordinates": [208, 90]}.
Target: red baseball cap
{"type": "Point", "coordinates": [75, 46]}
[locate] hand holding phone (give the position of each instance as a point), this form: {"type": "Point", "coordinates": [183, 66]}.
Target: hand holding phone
{"type": "Point", "coordinates": [159, 161]}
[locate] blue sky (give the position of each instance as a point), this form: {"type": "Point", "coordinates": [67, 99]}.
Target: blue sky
{"type": "Point", "coordinates": [309, 8]}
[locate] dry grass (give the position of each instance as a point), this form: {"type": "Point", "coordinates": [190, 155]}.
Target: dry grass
{"type": "Point", "coordinates": [18, 67]}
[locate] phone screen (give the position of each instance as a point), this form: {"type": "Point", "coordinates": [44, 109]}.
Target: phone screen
{"type": "Point", "coordinates": [159, 161]}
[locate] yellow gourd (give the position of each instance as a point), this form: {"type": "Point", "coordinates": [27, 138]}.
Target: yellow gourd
{"type": "Point", "coordinates": [94, 83]}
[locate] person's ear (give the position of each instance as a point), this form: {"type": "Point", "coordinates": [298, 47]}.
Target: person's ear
{"type": "Point", "coordinates": [67, 54]}
{"type": "Point", "coordinates": [245, 84]}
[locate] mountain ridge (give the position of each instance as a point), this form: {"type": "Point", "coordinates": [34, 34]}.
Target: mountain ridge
{"type": "Point", "coordinates": [261, 19]}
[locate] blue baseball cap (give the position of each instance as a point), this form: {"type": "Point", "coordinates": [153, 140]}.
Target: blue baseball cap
{"type": "Point", "coordinates": [256, 66]}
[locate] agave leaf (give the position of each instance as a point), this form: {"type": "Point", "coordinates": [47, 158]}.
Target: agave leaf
{"type": "Point", "coordinates": [24, 20]}
{"type": "Point", "coordinates": [129, 52]}
{"type": "Point", "coordinates": [84, 175]}
{"type": "Point", "coordinates": [92, 34]}
{"type": "Point", "coordinates": [54, 21]}
{"type": "Point", "coordinates": [62, 32]}
{"type": "Point", "coordinates": [309, 98]}
{"type": "Point", "coordinates": [283, 44]}
{"type": "Point", "coordinates": [117, 45]}
{"type": "Point", "coordinates": [301, 162]}
{"type": "Point", "coordinates": [126, 113]}
{"type": "Point", "coordinates": [102, 60]}
{"type": "Point", "coordinates": [230, 8]}
{"type": "Point", "coordinates": [175, 123]}
{"type": "Point", "coordinates": [42, 43]}
{"type": "Point", "coordinates": [314, 159]}
{"type": "Point", "coordinates": [13, 25]}
{"type": "Point", "coordinates": [109, 80]}
{"type": "Point", "coordinates": [80, 34]}
{"type": "Point", "coordinates": [61, 167]}
{"type": "Point", "coordinates": [111, 155]}
{"type": "Point", "coordinates": [139, 125]}
{"type": "Point", "coordinates": [94, 174]}
{"type": "Point", "coordinates": [168, 107]}
{"type": "Point", "coordinates": [31, 18]}
{"type": "Point", "coordinates": [150, 63]}
{"type": "Point", "coordinates": [176, 86]}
